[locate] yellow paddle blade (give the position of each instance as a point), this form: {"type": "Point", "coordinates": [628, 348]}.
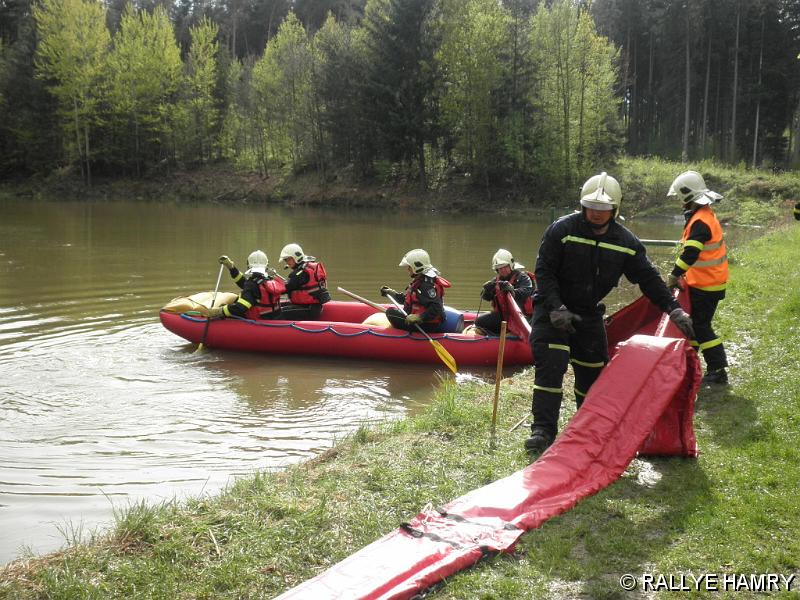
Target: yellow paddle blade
{"type": "Point", "coordinates": [445, 356]}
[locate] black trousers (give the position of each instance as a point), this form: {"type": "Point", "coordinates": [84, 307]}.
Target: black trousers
{"type": "Point", "coordinates": [490, 322]}
{"type": "Point", "coordinates": [704, 305]}
{"type": "Point", "coordinates": [301, 312]}
{"type": "Point", "coordinates": [553, 350]}
{"type": "Point", "coordinates": [398, 321]}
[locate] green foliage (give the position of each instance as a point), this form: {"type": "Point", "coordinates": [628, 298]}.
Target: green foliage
{"type": "Point", "coordinates": [200, 103]}
{"type": "Point", "coordinates": [71, 57]}
{"type": "Point", "coordinates": [474, 36]}
{"type": "Point", "coordinates": [144, 73]}
{"type": "Point", "coordinates": [282, 86]}
{"type": "Point", "coordinates": [575, 80]}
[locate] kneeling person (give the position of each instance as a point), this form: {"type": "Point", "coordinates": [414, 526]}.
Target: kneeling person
{"type": "Point", "coordinates": [306, 285]}
{"type": "Point", "coordinates": [511, 278]}
{"type": "Point", "coordinates": [423, 298]}
{"type": "Point", "coordinates": [261, 294]}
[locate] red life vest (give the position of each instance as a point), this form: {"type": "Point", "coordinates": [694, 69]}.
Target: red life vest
{"type": "Point", "coordinates": [316, 290]}
{"type": "Point", "coordinates": [270, 291]}
{"type": "Point", "coordinates": [411, 301]}
{"type": "Point", "coordinates": [527, 306]}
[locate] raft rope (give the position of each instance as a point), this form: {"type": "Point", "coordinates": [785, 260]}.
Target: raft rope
{"type": "Point", "coordinates": [331, 328]}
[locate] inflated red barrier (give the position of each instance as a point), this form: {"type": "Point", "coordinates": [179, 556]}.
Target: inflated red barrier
{"type": "Point", "coordinates": [627, 409]}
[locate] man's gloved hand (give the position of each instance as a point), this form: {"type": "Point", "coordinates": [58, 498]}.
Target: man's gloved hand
{"type": "Point", "coordinates": [506, 286]}
{"type": "Point", "coordinates": [225, 260]}
{"type": "Point", "coordinates": [683, 322]}
{"type": "Point", "coordinates": [386, 290]}
{"type": "Point", "coordinates": [216, 313]}
{"type": "Point", "coordinates": [562, 318]}
{"type": "Point", "coordinates": [413, 319]}
{"type": "Point", "coordinates": [673, 281]}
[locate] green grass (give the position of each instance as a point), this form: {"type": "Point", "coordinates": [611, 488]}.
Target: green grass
{"type": "Point", "coordinates": [752, 197]}
{"type": "Point", "coordinates": [732, 510]}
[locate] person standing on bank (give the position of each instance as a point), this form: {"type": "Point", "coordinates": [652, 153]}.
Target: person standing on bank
{"type": "Point", "coordinates": [703, 262]}
{"type": "Point", "coordinates": [307, 285]}
{"type": "Point", "coordinates": [423, 298]}
{"type": "Point", "coordinates": [511, 277]}
{"type": "Point", "coordinates": [261, 294]}
{"type": "Point", "coordinates": [581, 258]}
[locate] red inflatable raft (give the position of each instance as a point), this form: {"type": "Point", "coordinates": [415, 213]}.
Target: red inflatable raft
{"type": "Point", "coordinates": [643, 402]}
{"type": "Point", "coordinates": [340, 332]}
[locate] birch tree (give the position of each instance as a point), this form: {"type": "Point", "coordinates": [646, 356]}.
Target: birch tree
{"type": "Point", "coordinates": [72, 57]}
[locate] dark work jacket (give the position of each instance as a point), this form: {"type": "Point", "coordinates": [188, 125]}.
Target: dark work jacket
{"type": "Point", "coordinates": [578, 268]}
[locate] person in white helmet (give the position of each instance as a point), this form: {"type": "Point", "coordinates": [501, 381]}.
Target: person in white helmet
{"type": "Point", "coordinates": [261, 294]}
{"type": "Point", "coordinates": [581, 258]}
{"type": "Point", "coordinates": [423, 298]}
{"type": "Point", "coordinates": [703, 265]}
{"type": "Point", "coordinates": [511, 278]}
{"type": "Point", "coordinates": [307, 285]}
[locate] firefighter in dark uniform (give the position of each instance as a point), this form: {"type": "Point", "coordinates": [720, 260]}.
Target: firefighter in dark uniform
{"type": "Point", "coordinates": [307, 285]}
{"type": "Point", "coordinates": [423, 298]}
{"type": "Point", "coordinates": [797, 211]}
{"type": "Point", "coordinates": [511, 277]}
{"type": "Point", "coordinates": [703, 262]}
{"type": "Point", "coordinates": [581, 258]}
{"type": "Point", "coordinates": [261, 294]}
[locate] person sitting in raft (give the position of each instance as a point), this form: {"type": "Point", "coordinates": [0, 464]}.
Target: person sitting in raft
{"type": "Point", "coordinates": [423, 299]}
{"type": "Point", "coordinates": [307, 285]}
{"type": "Point", "coordinates": [511, 277]}
{"type": "Point", "coordinates": [261, 294]}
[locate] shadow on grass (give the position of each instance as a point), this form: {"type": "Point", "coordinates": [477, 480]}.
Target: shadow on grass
{"type": "Point", "coordinates": [623, 529]}
{"type": "Point", "coordinates": [731, 420]}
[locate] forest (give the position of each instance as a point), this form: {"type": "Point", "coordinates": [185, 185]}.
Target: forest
{"type": "Point", "coordinates": [508, 93]}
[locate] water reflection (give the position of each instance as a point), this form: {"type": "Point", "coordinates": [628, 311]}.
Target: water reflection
{"type": "Point", "coordinates": [99, 404]}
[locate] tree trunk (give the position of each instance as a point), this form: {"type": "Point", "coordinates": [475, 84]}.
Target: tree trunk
{"type": "Point", "coordinates": [758, 102]}
{"type": "Point", "coordinates": [78, 138]}
{"type": "Point", "coordinates": [705, 99]}
{"type": "Point", "coordinates": [421, 164]}
{"type": "Point", "coordinates": [88, 161]}
{"type": "Point", "coordinates": [732, 151]}
{"type": "Point", "coordinates": [687, 97]}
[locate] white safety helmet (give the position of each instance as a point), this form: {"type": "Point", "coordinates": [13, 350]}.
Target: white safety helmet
{"type": "Point", "coordinates": [292, 251]}
{"type": "Point", "coordinates": [601, 192]}
{"type": "Point", "coordinates": [502, 258]}
{"type": "Point", "coordinates": [417, 259]}
{"type": "Point", "coordinates": [690, 186]}
{"type": "Point", "coordinates": [257, 262]}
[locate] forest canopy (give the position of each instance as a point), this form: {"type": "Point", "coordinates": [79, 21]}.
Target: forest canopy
{"type": "Point", "coordinates": [510, 93]}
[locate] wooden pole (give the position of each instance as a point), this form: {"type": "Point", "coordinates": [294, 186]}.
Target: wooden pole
{"type": "Point", "coordinates": [499, 374]}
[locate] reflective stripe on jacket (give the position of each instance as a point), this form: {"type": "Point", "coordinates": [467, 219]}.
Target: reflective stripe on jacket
{"type": "Point", "coordinates": [710, 270]}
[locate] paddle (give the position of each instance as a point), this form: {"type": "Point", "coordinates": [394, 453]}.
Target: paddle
{"type": "Point", "coordinates": [499, 374]}
{"type": "Point", "coordinates": [441, 351]}
{"type": "Point", "coordinates": [208, 319]}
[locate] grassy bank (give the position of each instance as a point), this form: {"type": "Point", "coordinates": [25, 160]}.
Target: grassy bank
{"type": "Point", "coordinates": [733, 510]}
{"type": "Point", "coordinates": [753, 197]}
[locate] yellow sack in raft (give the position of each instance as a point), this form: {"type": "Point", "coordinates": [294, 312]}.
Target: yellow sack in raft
{"type": "Point", "coordinates": [377, 320]}
{"type": "Point", "coordinates": [198, 302]}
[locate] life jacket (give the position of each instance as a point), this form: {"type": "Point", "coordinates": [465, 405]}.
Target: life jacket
{"type": "Point", "coordinates": [316, 290]}
{"type": "Point", "coordinates": [710, 271]}
{"type": "Point", "coordinates": [269, 301]}
{"type": "Point", "coordinates": [527, 306]}
{"type": "Point", "coordinates": [411, 302]}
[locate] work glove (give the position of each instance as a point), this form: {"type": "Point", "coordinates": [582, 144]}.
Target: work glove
{"type": "Point", "coordinates": [386, 291]}
{"type": "Point", "coordinates": [683, 322]}
{"type": "Point", "coordinates": [673, 281]}
{"type": "Point", "coordinates": [562, 318]}
{"type": "Point", "coordinates": [506, 286]}
{"type": "Point", "coordinates": [413, 319]}
{"type": "Point", "coordinates": [225, 260]}
{"type": "Point", "coordinates": [216, 313]}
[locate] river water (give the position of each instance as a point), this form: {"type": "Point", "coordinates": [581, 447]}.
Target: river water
{"type": "Point", "coordinates": [100, 406]}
